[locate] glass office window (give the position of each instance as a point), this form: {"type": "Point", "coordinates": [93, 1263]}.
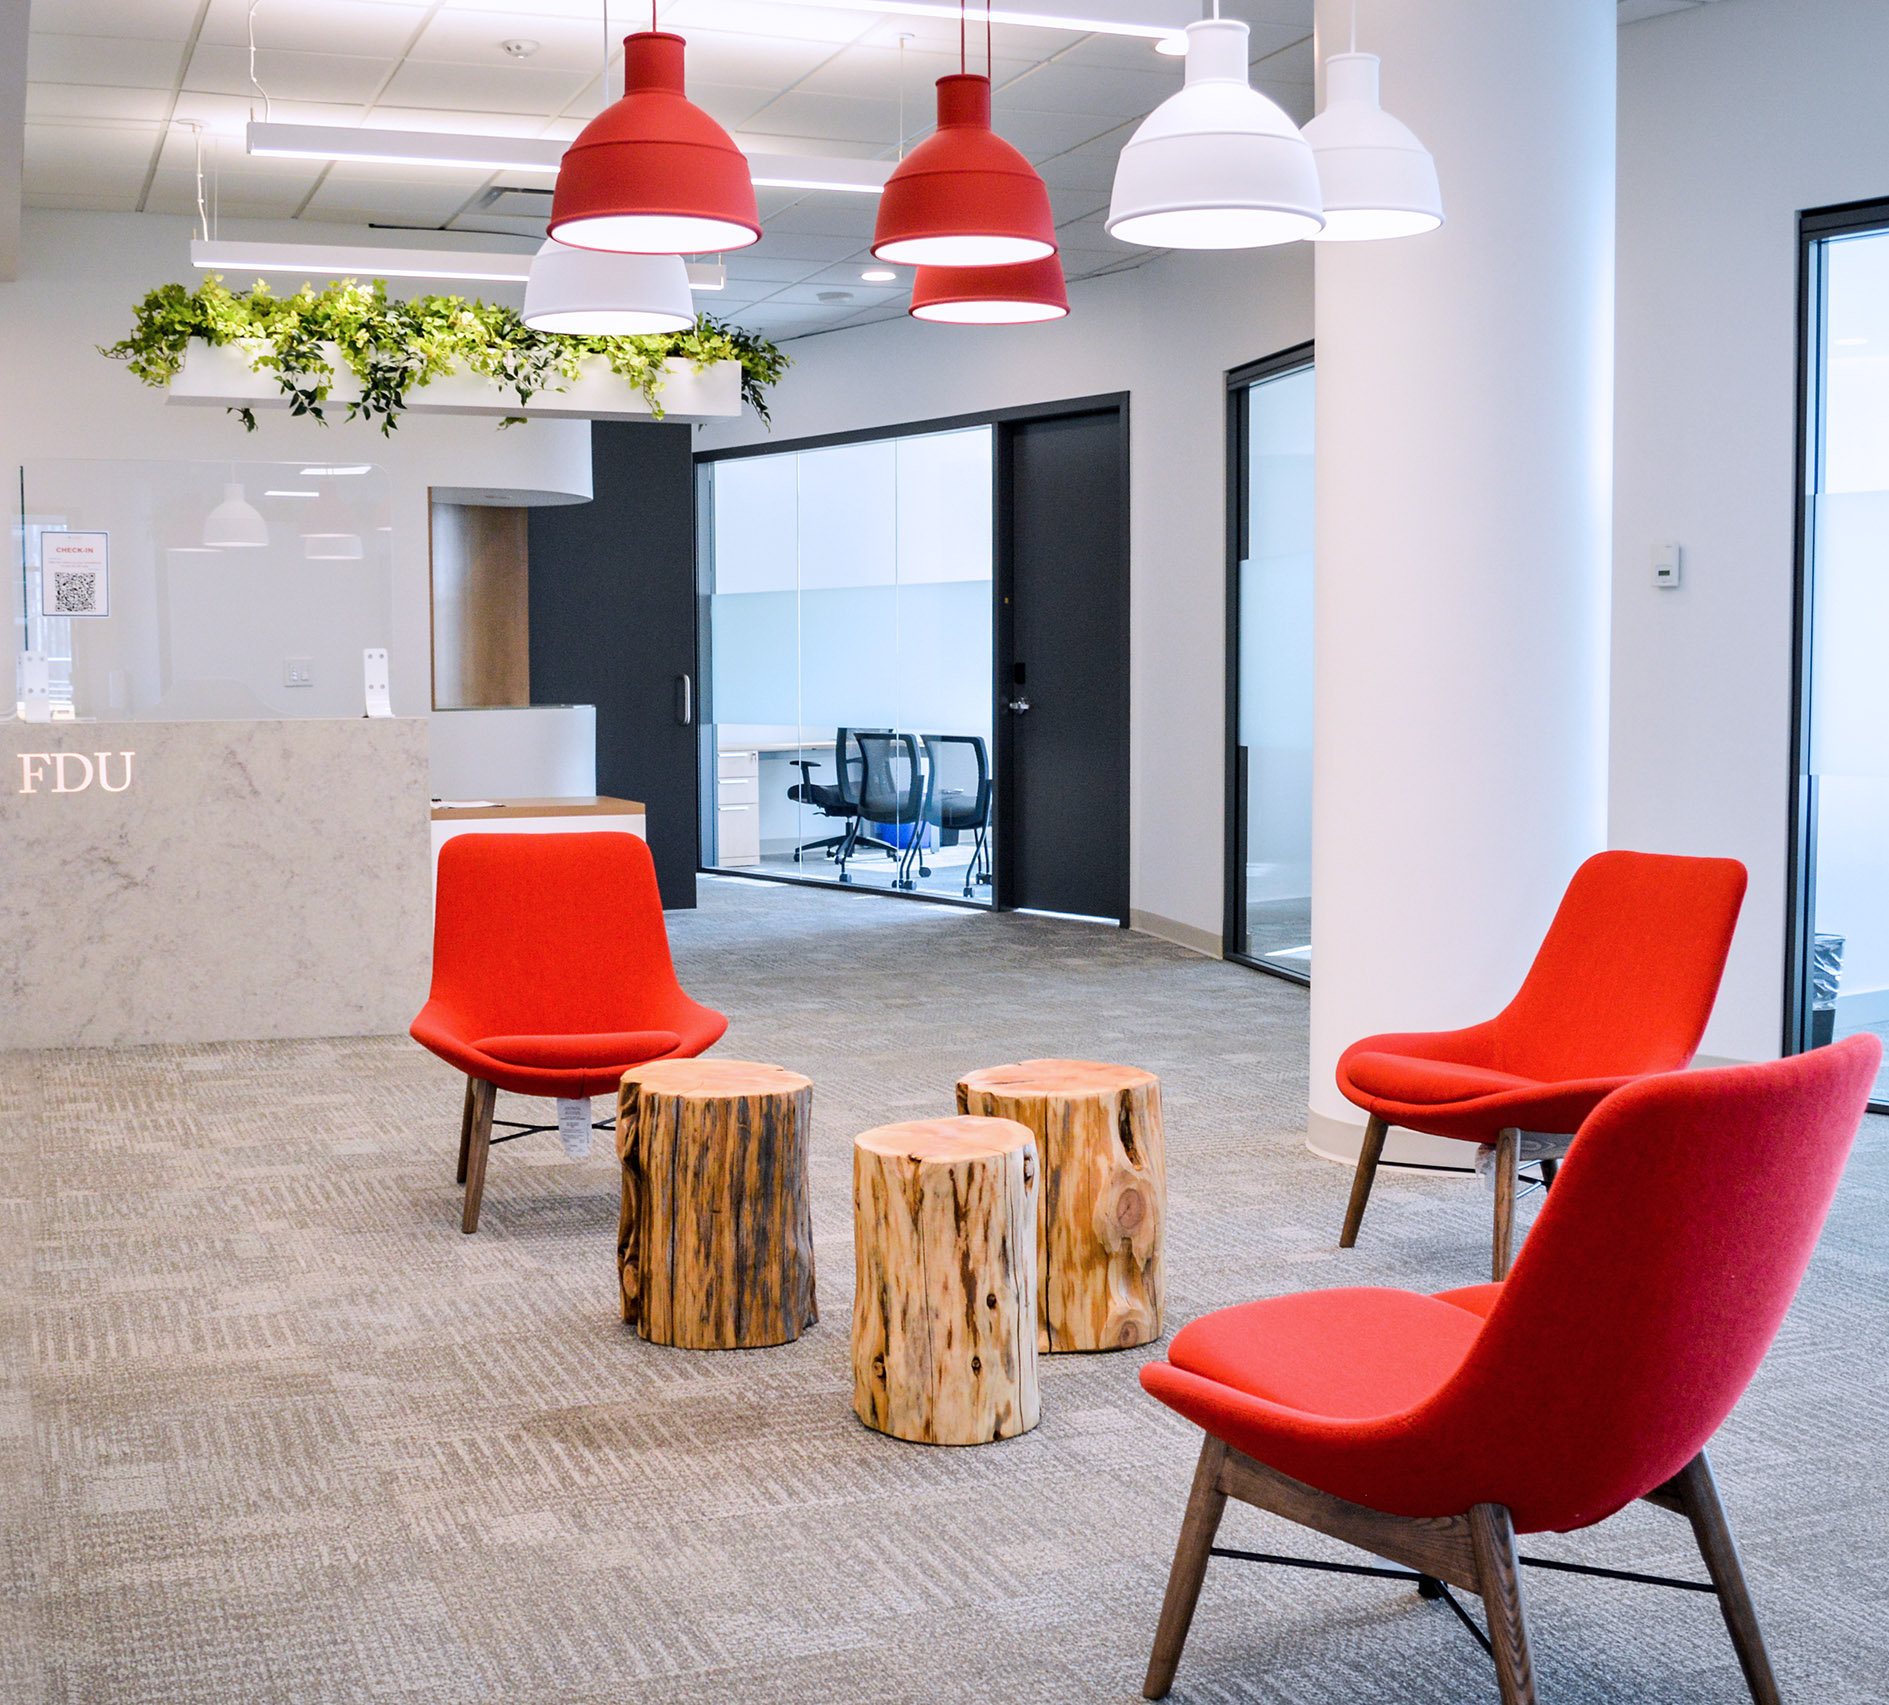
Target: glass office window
{"type": "Point", "coordinates": [1270, 875]}
{"type": "Point", "coordinates": [216, 589]}
{"type": "Point", "coordinates": [848, 662]}
{"type": "Point", "coordinates": [1845, 790]}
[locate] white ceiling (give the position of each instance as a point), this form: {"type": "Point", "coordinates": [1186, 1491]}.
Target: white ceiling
{"type": "Point", "coordinates": [114, 86]}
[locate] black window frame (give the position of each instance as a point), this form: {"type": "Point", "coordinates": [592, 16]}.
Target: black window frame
{"type": "Point", "coordinates": [1815, 227]}
{"type": "Point", "coordinates": [1240, 380]}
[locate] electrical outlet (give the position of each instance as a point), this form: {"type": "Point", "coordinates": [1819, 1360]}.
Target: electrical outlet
{"type": "Point", "coordinates": [298, 671]}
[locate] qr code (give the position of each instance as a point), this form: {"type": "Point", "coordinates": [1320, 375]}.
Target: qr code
{"type": "Point", "coordinates": [75, 592]}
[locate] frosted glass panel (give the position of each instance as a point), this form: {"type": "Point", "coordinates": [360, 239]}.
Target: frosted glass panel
{"type": "Point", "coordinates": [1847, 642]}
{"type": "Point", "coordinates": [848, 593]}
{"type": "Point", "coordinates": [848, 530]}
{"type": "Point", "coordinates": [756, 515]}
{"type": "Point", "coordinates": [849, 671]}
{"type": "Point", "coordinates": [1275, 671]}
{"type": "Point", "coordinates": [192, 624]}
{"type": "Point", "coordinates": [944, 497]}
{"type": "Point", "coordinates": [753, 671]}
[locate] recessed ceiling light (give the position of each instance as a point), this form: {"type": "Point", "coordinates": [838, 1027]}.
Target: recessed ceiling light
{"type": "Point", "coordinates": [1174, 46]}
{"type": "Point", "coordinates": [879, 275]}
{"type": "Point", "coordinates": [291, 494]}
{"type": "Point", "coordinates": [836, 295]}
{"type": "Point", "coordinates": [336, 473]}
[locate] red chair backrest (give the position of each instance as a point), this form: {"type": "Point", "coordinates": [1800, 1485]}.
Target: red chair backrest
{"type": "Point", "coordinates": [1626, 978]}
{"type": "Point", "coordinates": [551, 934]}
{"type": "Point", "coordinates": [1656, 1275]}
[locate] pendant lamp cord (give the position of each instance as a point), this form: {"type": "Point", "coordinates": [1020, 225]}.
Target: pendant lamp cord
{"type": "Point", "coordinates": [989, 70]}
{"type": "Point", "coordinates": [1354, 26]}
{"type": "Point", "coordinates": [962, 66]}
{"type": "Point", "coordinates": [904, 37]}
{"type": "Point", "coordinates": [254, 81]}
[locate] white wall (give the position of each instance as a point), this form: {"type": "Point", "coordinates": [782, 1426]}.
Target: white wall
{"type": "Point", "coordinates": [1733, 117]}
{"type": "Point", "coordinates": [81, 274]}
{"type": "Point", "coordinates": [1166, 333]}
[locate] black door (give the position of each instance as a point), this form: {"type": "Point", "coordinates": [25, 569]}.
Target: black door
{"type": "Point", "coordinates": [1062, 663]}
{"type": "Point", "coordinates": [613, 625]}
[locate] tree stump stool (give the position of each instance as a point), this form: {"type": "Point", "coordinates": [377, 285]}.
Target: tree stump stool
{"type": "Point", "coordinates": [943, 1347]}
{"type": "Point", "coordinates": [715, 1242]}
{"type": "Point", "coordinates": [1101, 1212]}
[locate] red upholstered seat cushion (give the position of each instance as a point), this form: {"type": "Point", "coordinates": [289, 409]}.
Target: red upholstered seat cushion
{"type": "Point", "coordinates": [1427, 1083]}
{"type": "Point", "coordinates": [580, 1053]}
{"type": "Point", "coordinates": [1347, 1354]}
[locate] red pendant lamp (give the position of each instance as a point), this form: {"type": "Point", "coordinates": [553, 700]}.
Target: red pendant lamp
{"type": "Point", "coordinates": [991, 295]}
{"type": "Point", "coordinates": [654, 174]}
{"type": "Point", "coordinates": [964, 197]}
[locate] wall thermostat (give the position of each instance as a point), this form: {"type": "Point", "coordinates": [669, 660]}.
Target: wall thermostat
{"type": "Point", "coordinates": [1665, 565]}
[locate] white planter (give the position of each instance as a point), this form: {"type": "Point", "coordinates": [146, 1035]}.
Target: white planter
{"type": "Point", "coordinates": [220, 376]}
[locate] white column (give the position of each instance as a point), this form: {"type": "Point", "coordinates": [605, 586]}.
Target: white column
{"type": "Point", "coordinates": [1464, 488]}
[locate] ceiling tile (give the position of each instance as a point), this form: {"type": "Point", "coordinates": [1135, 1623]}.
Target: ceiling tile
{"type": "Point", "coordinates": [765, 18]}
{"type": "Point", "coordinates": [158, 20]}
{"type": "Point", "coordinates": [1066, 87]}
{"type": "Point", "coordinates": [1089, 166]}
{"type": "Point", "coordinates": [454, 36]}
{"type": "Point", "coordinates": [340, 79]}
{"type": "Point", "coordinates": [1040, 134]}
{"type": "Point", "coordinates": [90, 102]}
{"type": "Point", "coordinates": [124, 62]}
{"type": "Point", "coordinates": [837, 116]}
{"type": "Point", "coordinates": [88, 159]}
{"type": "Point", "coordinates": [486, 88]}
{"type": "Point", "coordinates": [379, 28]}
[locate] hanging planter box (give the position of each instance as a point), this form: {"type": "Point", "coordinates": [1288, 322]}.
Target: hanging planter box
{"type": "Point", "coordinates": [220, 376]}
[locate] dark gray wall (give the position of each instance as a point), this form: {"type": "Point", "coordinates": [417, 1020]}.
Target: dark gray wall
{"type": "Point", "coordinates": [613, 624]}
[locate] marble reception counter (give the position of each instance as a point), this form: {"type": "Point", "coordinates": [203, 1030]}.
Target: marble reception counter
{"type": "Point", "coordinates": [212, 881]}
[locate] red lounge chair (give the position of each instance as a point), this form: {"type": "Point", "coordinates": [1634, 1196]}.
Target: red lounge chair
{"type": "Point", "coordinates": [1621, 987]}
{"type": "Point", "coordinates": [551, 976]}
{"type": "Point", "coordinates": [1431, 1430]}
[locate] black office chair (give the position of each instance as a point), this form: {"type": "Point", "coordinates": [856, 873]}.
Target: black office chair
{"type": "Point", "coordinates": [892, 793]}
{"type": "Point", "coordinates": [839, 800]}
{"type": "Point", "coordinates": [957, 797]}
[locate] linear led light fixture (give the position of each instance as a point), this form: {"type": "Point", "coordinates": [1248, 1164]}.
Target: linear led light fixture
{"type": "Point", "coordinates": [1167, 37]}
{"type": "Point", "coordinates": [336, 260]}
{"type": "Point", "coordinates": [530, 154]}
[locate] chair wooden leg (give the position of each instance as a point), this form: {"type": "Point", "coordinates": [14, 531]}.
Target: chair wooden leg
{"type": "Point", "coordinates": [1205, 1506]}
{"type": "Point", "coordinates": [1507, 1147]}
{"type": "Point", "coordinates": [1698, 1497]}
{"type": "Point", "coordinates": [1493, 1535]}
{"type": "Point", "coordinates": [465, 1129]}
{"type": "Point", "coordinates": [478, 1147]}
{"type": "Point", "coordinates": [1369, 1155]}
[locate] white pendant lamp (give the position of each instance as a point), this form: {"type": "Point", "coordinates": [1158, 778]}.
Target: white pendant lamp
{"type": "Point", "coordinates": [598, 293]}
{"type": "Point", "coordinates": [1378, 180]}
{"type": "Point", "coordinates": [235, 523]}
{"type": "Point", "coordinates": [1218, 165]}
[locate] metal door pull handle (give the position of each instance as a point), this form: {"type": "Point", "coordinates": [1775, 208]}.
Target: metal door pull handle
{"type": "Point", "coordinates": [1019, 705]}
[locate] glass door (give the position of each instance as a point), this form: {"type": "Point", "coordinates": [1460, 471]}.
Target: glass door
{"type": "Point", "coordinates": [847, 593]}
{"type": "Point", "coordinates": [1269, 666]}
{"type": "Point", "coordinates": [1840, 950]}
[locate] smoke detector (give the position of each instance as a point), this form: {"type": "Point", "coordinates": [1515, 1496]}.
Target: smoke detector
{"type": "Point", "coordinates": [519, 49]}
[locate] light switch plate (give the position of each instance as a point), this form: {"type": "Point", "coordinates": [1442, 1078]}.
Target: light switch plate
{"type": "Point", "coordinates": [298, 671]}
{"type": "Point", "coordinates": [1666, 565]}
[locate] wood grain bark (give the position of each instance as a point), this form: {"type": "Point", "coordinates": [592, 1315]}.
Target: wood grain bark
{"type": "Point", "coordinates": [944, 1341]}
{"type": "Point", "coordinates": [1102, 1210]}
{"type": "Point", "coordinates": [715, 1239]}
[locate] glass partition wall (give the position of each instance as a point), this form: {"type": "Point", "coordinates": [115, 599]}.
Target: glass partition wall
{"type": "Point", "coordinates": [1269, 666]}
{"type": "Point", "coordinates": [190, 590]}
{"type": "Point", "coordinates": [847, 670]}
{"type": "Point", "coordinates": [1840, 912]}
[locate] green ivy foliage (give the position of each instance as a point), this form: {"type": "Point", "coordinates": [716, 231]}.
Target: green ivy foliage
{"type": "Point", "coordinates": [394, 346]}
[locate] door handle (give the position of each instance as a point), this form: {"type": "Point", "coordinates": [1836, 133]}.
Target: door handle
{"type": "Point", "coordinates": [1019, 705]}
{"type": "Point", "coordinates": [685, 700]}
